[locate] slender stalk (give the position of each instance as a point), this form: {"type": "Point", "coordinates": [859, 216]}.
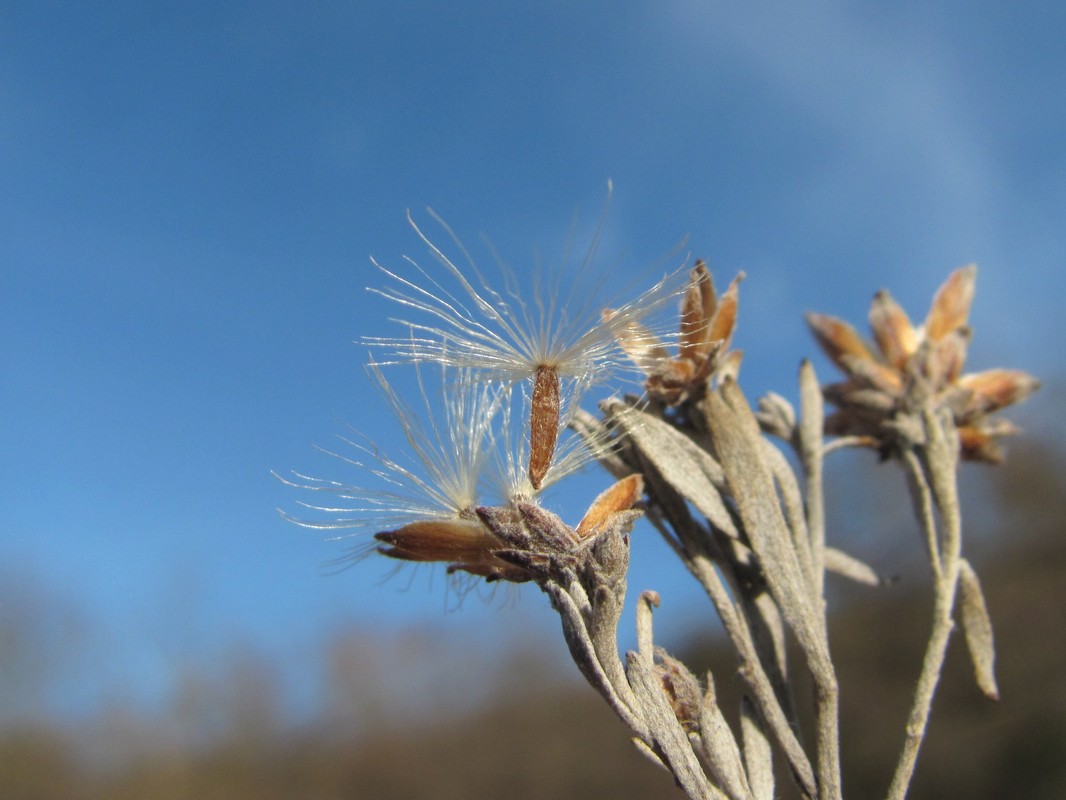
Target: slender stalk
{"type": "Point", "coordinates": [922, 496]}
{"type": "Point", "coordinates": [754, 674]}
{"type": "Point", "coordinates": [812, 452]}
{"type": "Point", "coordinates": [937, 472]}
{"type": "Point", "coordinates": [828, 716]}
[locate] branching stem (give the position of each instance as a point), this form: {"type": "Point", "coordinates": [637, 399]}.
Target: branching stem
{"type": "Point", "coordinates": [935, 472]}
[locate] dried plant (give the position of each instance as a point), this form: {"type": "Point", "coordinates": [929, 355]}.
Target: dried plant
{"type": "Point", "coordinates": [692, 456]}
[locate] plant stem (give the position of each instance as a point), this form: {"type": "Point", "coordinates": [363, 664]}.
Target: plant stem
{"type": "Point", "coordinates": [936, 472]}
{"type": "Point", "coordinates": [754, 674]}
{"type": "Point", "coordinates": [811, 447]}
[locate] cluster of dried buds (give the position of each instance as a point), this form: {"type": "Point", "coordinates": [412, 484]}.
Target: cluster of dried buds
{"type": "Point", "coordinates": [881, 379]}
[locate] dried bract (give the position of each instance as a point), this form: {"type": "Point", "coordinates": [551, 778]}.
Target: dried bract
{"type": "Point", "coordinates": [540, 546]}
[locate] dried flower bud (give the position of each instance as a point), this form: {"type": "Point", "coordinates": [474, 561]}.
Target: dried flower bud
{"type": "Point", "coordinates": [706, 332]}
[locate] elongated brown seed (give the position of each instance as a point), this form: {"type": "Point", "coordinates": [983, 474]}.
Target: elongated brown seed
{"type": "Point", "coordinates": [543, 424]}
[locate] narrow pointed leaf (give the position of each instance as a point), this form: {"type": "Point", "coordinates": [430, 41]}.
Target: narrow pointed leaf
{"type": "Point", "coordinates": [850, 567]}
{"type": "Point", "coordinates": [739, 446]}
{"type": "Point", "coordinates": [689, 469]}
{"type": "Point", "coordinates": [978, 628]}
{"type": "Point", "coordinates": [758, 754]}
{"type": "Point", "coordinates": [720, 749]}
{"type": "Point", "coordinates": [666, 730]}
{"type": "Point", "coordinates": [777, 417]}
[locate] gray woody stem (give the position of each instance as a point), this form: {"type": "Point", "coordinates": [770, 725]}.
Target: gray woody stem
{"type": "Point", "coordinates": [683, 469]}
{"type": "Point", "coordinates": [933, 472]}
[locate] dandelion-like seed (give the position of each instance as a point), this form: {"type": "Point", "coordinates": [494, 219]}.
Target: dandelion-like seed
{"type": "Point", "coordinates": [510, 449]}
{"type": "Point", "coordinates": [558, 344]}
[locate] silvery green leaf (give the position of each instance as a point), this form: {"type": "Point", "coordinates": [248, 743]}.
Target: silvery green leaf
{"type": "Point", "coordinates": [978, 628]}
{"type": "Point", "coordinates": [689, 469]}
{"type": "Point", "coordinates": [812, 409]}
{"type": "Point", "coordinates": [791, 504]}
{"type": "Point", "coordinates": [776, 416]}
{"type": "Point", "coordinates": [719, 747]}
{"type": "Point", "coordinates": [758, 755]}
{"type": "Point", "coordinates": [738, 443]}
{"type": "Point", "coordinates": [584, 654]}
{"type": "Point", "coordinates": [666, 730]}
{"type": "Point", "coordinates": [850, 567]}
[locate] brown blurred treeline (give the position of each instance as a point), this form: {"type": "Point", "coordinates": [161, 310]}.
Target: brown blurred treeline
{"type": "Point", "coordinates": [535, 733]}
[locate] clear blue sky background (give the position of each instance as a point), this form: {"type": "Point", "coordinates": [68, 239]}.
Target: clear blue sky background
{"type": "Point", "coordinates": [189, 194]}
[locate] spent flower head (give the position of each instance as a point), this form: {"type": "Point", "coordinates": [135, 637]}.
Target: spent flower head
{"type": "Point", "coordinates": [909, 361]}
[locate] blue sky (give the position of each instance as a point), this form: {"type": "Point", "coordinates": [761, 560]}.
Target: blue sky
{"type": "Point", "coordinates": [190, 193]}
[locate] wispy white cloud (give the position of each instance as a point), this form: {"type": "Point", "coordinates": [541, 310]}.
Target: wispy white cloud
{"type": "Point", "coordinates": [908, 169]}
{"type": "Point", "coordinates": [885, 92]}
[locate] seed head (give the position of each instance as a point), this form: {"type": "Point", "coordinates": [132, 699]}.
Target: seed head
{"type": "Point", "coordinates": [558, 344]}
{"type": "Point", "coordinates": [448, 500]}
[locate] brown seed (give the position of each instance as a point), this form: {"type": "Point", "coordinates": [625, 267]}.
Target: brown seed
{"type": "Point", "coordinates": [438, 540]}
{"type": "Point", "coordinates": [543, 423]}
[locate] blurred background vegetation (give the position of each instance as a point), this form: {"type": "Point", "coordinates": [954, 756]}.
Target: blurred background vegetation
{"type": "Point", "coordinates": [414, 715]}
